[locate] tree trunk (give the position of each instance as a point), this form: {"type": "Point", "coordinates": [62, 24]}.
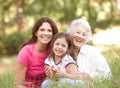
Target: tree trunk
{"type": "Point", "coordinates": [19, 14]}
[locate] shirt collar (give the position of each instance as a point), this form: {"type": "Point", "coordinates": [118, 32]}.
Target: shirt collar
{"type": "Point", "coordinates": [83, 49]}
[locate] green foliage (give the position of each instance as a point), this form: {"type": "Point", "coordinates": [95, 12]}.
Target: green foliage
{"type": "Point", "coordinates": [68, 10]}
{"type": "Point", "coordinates": [13, 42]}
{"type": "Point", "coordinates": [98, 12]}
{"type": "Point", "coordinates": [1, 47]}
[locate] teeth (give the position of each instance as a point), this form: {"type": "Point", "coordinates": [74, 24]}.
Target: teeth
{"type": "Point", "coordinates": [78, 40]}
{"type": "Point", "coordinates": [46, 38]}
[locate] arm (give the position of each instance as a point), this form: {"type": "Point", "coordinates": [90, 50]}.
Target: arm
{"type": "Point", "coordinates": [74, 74]}
{"type": "Point", "coordinates": [102, 67]}
{"type": "Point", "coordinates": [20, 75]}
{"type": "Point", "coordinates": [70, 71]}
{"type": "Point", "coordinates": [69, 66]}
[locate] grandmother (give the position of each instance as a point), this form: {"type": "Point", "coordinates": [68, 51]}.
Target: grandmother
{"type": "Point", "coordinates": [89, 60]}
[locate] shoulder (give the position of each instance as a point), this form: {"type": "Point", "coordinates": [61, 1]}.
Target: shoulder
{"type": "Point", "coordinates": [90, 51]}
{"type": "Point", "coordinates": [94, 53]}
{"type": "Point", "coordinates": [48, 60]}
{"type": "Point", "coordinates": [26, 51]}
{"type": "Point", "coordinates": [27, 48]}
{"type": "Point", "coordinates": [89, 48]}
{"type": "Point", "coordinates": [25, 54]}
{"type": "Point", "coordinates": [68, 58]}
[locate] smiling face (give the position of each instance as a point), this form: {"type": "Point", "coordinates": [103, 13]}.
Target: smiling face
{"type": "Point", "coordinates": [60, 47]}
{"type": "Point", "coordinates": [79, 36]}
{"type": "Point", "coordinates": [44, 33]}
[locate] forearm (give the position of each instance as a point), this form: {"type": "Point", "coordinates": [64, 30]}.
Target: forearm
{"type": "Point", "coordinates": [19, 83]}
{"type": "Point", "coordinates": [20, 74]}
{"type": "Point", "coordinates": [77, 76]}
{"type": "Point", "coordinates": [67, 75]}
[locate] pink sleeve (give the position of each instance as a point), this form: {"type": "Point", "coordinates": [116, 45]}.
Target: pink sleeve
{"type": "Point", "coordinates": [23, 56]}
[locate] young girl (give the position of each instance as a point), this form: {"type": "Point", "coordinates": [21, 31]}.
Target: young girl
{"type": "Point", "coordinates": [59, 59]}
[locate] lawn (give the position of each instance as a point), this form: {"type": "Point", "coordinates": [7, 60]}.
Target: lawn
{"type": "Point", "coordinates": [7, 68]}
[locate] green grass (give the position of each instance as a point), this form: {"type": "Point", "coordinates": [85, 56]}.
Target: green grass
{"type": "Point", "coordinates": [6, 80]}
{"type": "Point", "coordinates": [7, 71]}
{"type": "Point", "coordinates": [113, 58]}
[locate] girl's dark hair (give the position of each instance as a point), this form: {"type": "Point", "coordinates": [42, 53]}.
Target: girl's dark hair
{"type": "Point", "coordinates": [35, 28]}
{"type": "Point", "coordinates": [68, 40]}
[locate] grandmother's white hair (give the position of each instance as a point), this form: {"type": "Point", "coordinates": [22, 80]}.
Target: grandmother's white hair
{"type": "Point", "coordinates": [80, 22]}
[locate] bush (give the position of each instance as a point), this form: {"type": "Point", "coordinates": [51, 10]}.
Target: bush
{"type": "Point", "coordinates": [2, 51]}
{"type": "Point", "coordinates": [2, 47]}
{"type": "Point", "coordinates": [13, 42]}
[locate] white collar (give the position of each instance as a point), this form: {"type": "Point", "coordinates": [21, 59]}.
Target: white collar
{"type": "Point", "coordinates": [83, 49]}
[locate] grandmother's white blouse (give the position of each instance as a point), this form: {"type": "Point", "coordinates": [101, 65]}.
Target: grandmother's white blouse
{"type": "Point", "coordinates": [91, 61]}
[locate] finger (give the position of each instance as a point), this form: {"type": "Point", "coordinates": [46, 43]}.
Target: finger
{"type": "Point", "coordinates": [47, 72]}
{"type": "Point", "coordinates": [58, 67]}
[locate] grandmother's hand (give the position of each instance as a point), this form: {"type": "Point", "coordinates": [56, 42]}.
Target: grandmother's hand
{"type": "Point", "coordinates": [83, 76]}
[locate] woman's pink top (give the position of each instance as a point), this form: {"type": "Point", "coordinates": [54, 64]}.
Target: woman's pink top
{"type": "Point", "coordinates": [34, 61]}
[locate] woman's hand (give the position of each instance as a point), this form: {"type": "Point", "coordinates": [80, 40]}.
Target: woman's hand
{"type": "Point", "coordinates": [83, 76]}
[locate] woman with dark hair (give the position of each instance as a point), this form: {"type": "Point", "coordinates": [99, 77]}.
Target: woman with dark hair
{"type": "Point", "coordinates": [30, 61]}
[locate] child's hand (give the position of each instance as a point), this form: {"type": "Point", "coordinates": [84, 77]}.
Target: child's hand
{"type": "Point", "coordinates": [54, 69]}
{"type": "Point", "coordinates": [49, 71]}
{"type": "Point", "coordinates": [54, 76]}
{"type": "Point", "coordinates": [59, 72]}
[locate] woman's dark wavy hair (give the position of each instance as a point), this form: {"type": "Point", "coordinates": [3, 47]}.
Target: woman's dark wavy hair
{"type": "Point", "coordinates": [68, 40]}
{"type": "Point", "coordinates": [33, 39]}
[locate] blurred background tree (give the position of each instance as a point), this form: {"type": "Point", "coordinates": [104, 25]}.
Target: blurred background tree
{"type": "Point", "coordinates": [20, 15]}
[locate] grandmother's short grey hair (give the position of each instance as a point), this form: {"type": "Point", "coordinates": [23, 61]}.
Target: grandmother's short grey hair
{"type": "Point", "coordinates": [80, 22]}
